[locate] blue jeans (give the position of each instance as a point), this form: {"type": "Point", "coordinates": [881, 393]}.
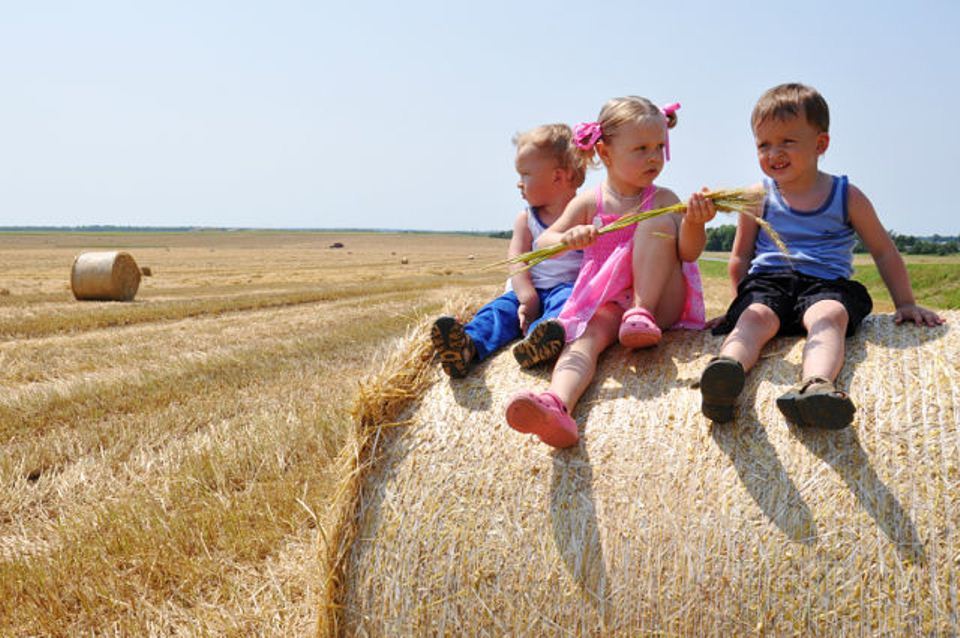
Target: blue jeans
{"type": "Point", "coordinates": [497, 324]}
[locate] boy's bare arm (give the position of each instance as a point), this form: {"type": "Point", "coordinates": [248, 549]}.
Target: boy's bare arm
{"type": "Point", "coordinates": [744, 246]}
{"type": "Point", "coordinates": [889, 262]}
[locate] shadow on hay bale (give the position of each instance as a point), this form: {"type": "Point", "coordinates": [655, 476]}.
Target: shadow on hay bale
{"type": "Point", "coordinates": [659, 522]}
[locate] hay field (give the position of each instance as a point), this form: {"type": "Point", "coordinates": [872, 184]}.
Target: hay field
{"type": "Point", "coordinates": [165, 463]}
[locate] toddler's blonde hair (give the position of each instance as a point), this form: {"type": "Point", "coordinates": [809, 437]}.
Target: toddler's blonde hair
{"type": "Point", "coordinates": [622, 110]}
{"type": "Point", "coordinates": [556, 140]}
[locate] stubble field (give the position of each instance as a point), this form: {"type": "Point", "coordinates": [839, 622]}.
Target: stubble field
{"type": "Point", "coordinates": [167, 464]}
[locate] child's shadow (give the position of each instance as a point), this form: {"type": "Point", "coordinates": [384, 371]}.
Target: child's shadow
{"type": "Point", "coordinates": [573, 517]}
{"type": "Point", "coordinates": [471, 392]}
{"type": "Point", "coordinates": [745, 442]}
{"type": "Point", "coordinates": [843, 452]}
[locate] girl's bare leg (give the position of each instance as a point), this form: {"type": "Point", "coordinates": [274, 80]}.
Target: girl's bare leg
{"type": "Point", "coordinates": [658, 283]}
{"type": "Point", "coordinates": [578, 362]}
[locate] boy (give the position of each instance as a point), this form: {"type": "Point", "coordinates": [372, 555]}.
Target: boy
{"type": "Point", "coordinates": [818, 216]}
{"type": "Point", "coordinates": [550, 172]}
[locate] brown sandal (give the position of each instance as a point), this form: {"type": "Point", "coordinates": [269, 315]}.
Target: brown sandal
{"type": "Point", "coordinates": [817, 403]}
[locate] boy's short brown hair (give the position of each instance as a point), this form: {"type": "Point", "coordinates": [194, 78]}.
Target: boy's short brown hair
{"type": "Point", "coordinates": [791, 100]}
{"type": "Point", "coordinates": [556, 140]}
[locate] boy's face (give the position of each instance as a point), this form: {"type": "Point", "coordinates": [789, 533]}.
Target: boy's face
{"type": "Point", "coordinates": [789, 149]}
{"type": "Point", "coordinates": [540, 176]}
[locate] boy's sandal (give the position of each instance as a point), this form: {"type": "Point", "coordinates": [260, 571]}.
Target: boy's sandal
{"type": "Point", "coordinates": [720, 384]}
{"type": "Point", "coordinates": [638, 329]}
{"type": "Point", "coordinates": [545, 415]}
{"type": "Point", "coordinates": [816, 403]}
{"type": "Point", "coordinates": [543, 343]}
{"type": "Point", "coordinates": [453, 345]}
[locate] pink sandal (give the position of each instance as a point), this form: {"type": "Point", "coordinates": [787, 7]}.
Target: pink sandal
{"type": "Point", "coordinates": [638, 329]}
{"type": "Point", "coordinates": [545, 415]}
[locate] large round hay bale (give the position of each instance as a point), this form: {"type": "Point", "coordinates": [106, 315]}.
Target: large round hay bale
{"type": "Point", "coordinates": [659, 523]}
{"type": "Point", "coordinates": [105, 276]}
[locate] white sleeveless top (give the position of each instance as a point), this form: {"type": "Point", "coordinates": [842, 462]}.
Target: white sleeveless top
{"type": "Point", "coordinates": [562, 269]}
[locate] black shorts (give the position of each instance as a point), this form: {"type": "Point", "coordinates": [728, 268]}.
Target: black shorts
{"type": "Point", "coordinates": [790, 294]}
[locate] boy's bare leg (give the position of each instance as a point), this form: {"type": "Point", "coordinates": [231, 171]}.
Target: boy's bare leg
{"type": "Point", "coordinates": [826, 324]}
{"type": "Point", "coordinates": [757, 325]}
{"type": "Point", "coordinates": [577, 364]}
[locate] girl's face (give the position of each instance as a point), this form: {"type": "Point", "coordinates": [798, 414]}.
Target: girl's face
{"type": "Point", "coordinates": [539, 175]}
{"type": "Point", "coordinates": [634, 156]}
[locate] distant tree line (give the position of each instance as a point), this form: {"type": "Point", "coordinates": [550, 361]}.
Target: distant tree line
{"type": "Point", "coordinates": [720, 238]}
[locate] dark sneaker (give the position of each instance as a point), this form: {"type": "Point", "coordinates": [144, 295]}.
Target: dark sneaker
{"type": "Point", "coordinates": [544, 343]}
{"type": "Point", "coordinates": [816, 403]}
{"type": "Point", "coordinates": [453, 345]}
{"type": "Point", "coordinates": [720, 385]}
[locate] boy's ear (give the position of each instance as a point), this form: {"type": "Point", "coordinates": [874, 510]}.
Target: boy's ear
{"type": "Point", "coordinates": [823, 142]}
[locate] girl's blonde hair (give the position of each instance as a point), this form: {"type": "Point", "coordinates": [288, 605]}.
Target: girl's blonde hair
{"type": "Point", "coordinates": [619, 111]}
{"type": "Point", "coordinates": [556, 140]}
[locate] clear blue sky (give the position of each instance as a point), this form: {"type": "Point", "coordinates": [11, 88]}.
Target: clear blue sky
{"type": "Point", "coordinates": [400, 115]}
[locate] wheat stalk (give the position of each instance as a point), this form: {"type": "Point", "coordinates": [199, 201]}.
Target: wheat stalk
{"type": "Point", "coordinates": [743, 201]}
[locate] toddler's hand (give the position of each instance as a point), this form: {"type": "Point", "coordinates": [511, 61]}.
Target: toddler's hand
{"type": "Point", "coordinates": [527, 313]}
{"type": "Point", "coordinates": [580, 236]}
{"type": "Point", "coordinates": [700, 209]}
{"type": "Point", "coordinates": [918, 315]}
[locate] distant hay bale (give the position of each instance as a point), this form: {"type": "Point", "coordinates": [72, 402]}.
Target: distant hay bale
{"type": "Point", "coordinates": [146, 271]}
{"type": "Point", "coordinates": [404, 260]}
{"type": "Point", "coordinates": [105, 276]}
{"type": "Point", "coordinates": [659, 523]}
{"type": "Point", "coordinates": [4, 292]}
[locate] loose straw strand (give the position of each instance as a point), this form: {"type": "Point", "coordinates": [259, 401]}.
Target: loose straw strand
{"type": "Point", "coordinates": [740, 200]}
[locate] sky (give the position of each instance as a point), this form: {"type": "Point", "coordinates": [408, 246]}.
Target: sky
{"type": "Point", "coordinates": [359, 114]}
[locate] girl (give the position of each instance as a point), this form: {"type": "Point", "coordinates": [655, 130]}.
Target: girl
{"type": "Point", "coordinates": [633, 282]}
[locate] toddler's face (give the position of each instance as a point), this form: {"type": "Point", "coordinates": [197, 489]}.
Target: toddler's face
{"type": "Point", "coordinates": [789, 149]}
{"type": "Point", "coordinates": [634, 156]}
{"type": "Point", "coordinates": [538, 175]}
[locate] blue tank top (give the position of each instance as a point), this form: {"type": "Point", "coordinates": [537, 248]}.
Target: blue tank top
{"type": "Point", "coordinates": [820, 242]}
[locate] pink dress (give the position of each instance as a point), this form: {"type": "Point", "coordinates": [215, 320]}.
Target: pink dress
{"type": "Point", "coordinates": [606, 275]}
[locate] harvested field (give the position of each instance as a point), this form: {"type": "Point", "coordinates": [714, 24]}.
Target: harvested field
{"type": "Point", "coordinates": [659, 523]}
{"type": "Point", "coordinates": [166, 462]}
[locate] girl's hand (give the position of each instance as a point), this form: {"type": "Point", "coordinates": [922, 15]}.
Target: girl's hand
{"type": "Point", "coordinates": [918, 315]}
{"type": "Point", "coordinates": [579, 236]}
{"type": "Point", "coordinates": [700, 209]}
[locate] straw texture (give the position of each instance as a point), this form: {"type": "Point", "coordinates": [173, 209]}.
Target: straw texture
{"type": "Point", "coordinates": [105, 276]}
{"type": "Point", "coordinates": [659, 523]}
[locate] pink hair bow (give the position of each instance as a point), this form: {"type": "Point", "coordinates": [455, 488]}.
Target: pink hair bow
{"type": "Point", "coordinates": [667, 111]}
{"type": "Point", "coordinates": [586, 134]}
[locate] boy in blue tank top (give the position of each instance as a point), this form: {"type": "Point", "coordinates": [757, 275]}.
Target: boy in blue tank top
{"type": "Point", "coordinates": [551, 170]}
{"type": "Point", "coordinates": [818, 216]}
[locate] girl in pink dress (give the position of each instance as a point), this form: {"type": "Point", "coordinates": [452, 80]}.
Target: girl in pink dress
{"type": "Point", "coordinates": [633, 283]}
